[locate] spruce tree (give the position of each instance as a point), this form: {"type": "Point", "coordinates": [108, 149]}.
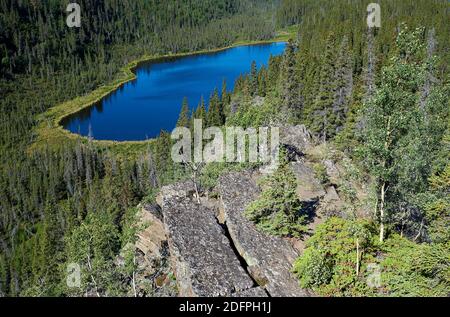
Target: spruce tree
{"type": "Point", "coordinates": [215, 111]}
{"type": "Point", "coordinates": [278, 210]}
{"type": "Point", "coordinates": [162, 152]}
{"type": "Point", "coordinates": [199, 113]}
{"type": "Point", "coordinates": [183, 120]}
{"type": "Point", "coordinates": [201, 110]}
{"type": "Point", "coordinates": [254, 79]}
{"type": "Point", "coordinates": [226, 97]}
{"type": "Point", "coordinates": [290, 87]}
{"type": "Point", "coordinates": [343, 89]}
{"type": "Point", "coordinates": [273, 72]}
{"type": "Point", "coordinates": [262, 82]}
{"type": "Point", "coordinates": [319, 115]}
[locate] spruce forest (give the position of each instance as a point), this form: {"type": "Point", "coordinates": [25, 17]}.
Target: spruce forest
{"type": "Point", "coordinates": [376, 102]}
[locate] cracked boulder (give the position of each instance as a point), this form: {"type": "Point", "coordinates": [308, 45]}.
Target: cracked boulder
{"type": "Point", "coordinates": [269, 259]}
{"type": "Point", "coordinates": [309, 187]}
{"type": "Point", "coordinates": [203, 259]}
{"type": "Point", "coordinates": [296, 136]}
{"type": "Point", "coordinates": [151, 240]}
{"type": "Point", "coordinates": [331, 204]}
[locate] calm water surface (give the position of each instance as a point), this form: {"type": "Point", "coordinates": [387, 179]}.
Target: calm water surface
{"type": "Point", "coordinates": [142, 108]}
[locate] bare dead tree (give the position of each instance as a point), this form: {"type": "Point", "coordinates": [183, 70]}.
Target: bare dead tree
{"type": "Point", "coordinates": [153, 177]}
{"type": "Point", "coordinates": [196, 171]}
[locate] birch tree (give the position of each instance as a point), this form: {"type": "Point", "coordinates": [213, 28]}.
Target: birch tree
{"type": "Point", "coordinates": [394, 151]}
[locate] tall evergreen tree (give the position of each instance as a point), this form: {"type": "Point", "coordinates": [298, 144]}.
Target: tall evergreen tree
{"type": "Point", "coordinates": [262, 82]}
{"type": "Point", "coordinates": [162, 152]}
{"type": "Point", "coordinates": [215, 111]}
{"type": "Point", "coordinates": [273, 72]}
{"type": "Point", "coordinates": [254, 79]}
{"type": "Point", "coordinates": [200, 112]}
{"type": "Point", "coordinates": [290, 85]}
{"type": "Point", "coordinates": [319, 115]}
{"type": "Point", "coordinates": [343, 88]}
{"type": "Point", "coordinates": [226, 97]}
{"type": "Point", "coordinates": [183, 120]}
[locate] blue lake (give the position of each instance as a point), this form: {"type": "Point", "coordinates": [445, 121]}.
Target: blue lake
{"type": "Point", "coordinates": [140, 109]}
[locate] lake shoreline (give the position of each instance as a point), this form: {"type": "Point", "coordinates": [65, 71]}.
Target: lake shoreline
{"type": "Point", "coordinates": [51, 130]}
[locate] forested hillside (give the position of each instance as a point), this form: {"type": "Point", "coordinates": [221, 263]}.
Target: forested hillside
{"type": "Point", "coordinates": [47, 194]}
{"type": "Point", "coordinates": [376, 97]}
{"type": "Point", "coordinates": [381, 98]}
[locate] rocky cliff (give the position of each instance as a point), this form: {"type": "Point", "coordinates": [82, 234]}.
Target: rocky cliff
{"type": "Point", "coordinates": [203, 258]}
{"type": "Point", "coordinates": [269, 259]}
{"type": "Point", "coordinates": [216, 251]}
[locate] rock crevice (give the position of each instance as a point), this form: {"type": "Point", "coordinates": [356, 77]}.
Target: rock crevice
{"type": "Point", "coordinates": [216, 251]}
{"type": "Point", "coordinates": [203, 258]}
{"type": "Point", "coordinates": [269, 259]}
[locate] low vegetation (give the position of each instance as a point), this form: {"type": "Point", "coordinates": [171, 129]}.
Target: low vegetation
{"type": "Point", "coordinates": [278, 211]}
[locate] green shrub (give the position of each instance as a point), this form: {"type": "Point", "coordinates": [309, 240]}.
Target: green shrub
{"type": "Point", "coordinates": [411, 269]}
{"type": "Point", "coordinates": [332, 251]}
{"type": "Point", "coordinates": [278, 210]}
{"type": "Point", "coordinates": [321, 173]}
{"type": "Point", "coordinates": [313, 268]}
{"type": "Point", "coordinates": [406, 268]}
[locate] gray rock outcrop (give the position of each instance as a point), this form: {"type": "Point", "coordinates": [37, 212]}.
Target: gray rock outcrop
{"type": "Point", "coordinates": [296, 136]}
{"type": "Point", "coordinates": [269, 258]}
{"type": "Point", "coordinates": [203, 259]}
{"type": "Point", "coordinates": [151, 240]}
{"type": "Point", "coordinates": [309, 187]}
{"type": "Point", "coordinates": [216, 251]}
{"type": "Point", "coordinates": [252, 292]}
{"type": "Point", "coordinates": [331, 204]}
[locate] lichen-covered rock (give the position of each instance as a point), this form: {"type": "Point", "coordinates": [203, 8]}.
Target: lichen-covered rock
{"type": "Point", "coordinates": [309, 187]}
{"type": "Point", "coordinates": [296, 136]}
{"type": "Point", "coordinates": [332, 170]}
{"type": "Point", "coordinates": [152, 237]}
{"type": "Point", "coordinates": [331, 204]}
{"type": "Point", "coordinates": [203, 259]}
{"type": "Point", "coordinates": [177, 190]}
{"type": "Point", "coordinates": [269, 258]}
{"type": "Point", "coordinates": [252, 292]}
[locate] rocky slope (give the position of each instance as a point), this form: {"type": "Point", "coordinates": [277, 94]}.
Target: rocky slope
{"type": "Point", "coordinates": [216, 251]}
{"type": "Point", "coordinates": [269, 259]}
{"type": "Point", "coordinates": [203, 258]}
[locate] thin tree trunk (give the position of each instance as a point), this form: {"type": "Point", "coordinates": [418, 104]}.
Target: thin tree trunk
{"type": "Point", "coordinates": [420, 231]}
{"type": "Point", "coordinates": [92, 276]}
{"type": "Point", "coordinates": [134, 275]}
{"type": "Point", "coordinates": [197, 193]}
{"type": "Point", "coordinates": [382, 212]}
{"type": "Point", "coordinates": [357, 257]}
{"type": "Point", "coordinates": [383, 186]}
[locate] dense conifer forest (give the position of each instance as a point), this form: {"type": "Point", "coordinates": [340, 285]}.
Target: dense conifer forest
{"type": "Point", "coordinates": [47, 194]}
{"type": "Point", "coordinates": [379, 97]}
